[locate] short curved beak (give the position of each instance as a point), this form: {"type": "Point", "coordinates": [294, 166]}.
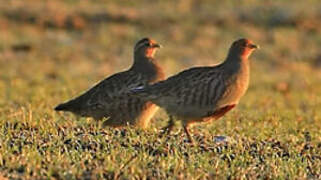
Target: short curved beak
{"type": "Point", "coordinates": [254, 46]}
{"type": "Point", "coordinates": [157, 46]}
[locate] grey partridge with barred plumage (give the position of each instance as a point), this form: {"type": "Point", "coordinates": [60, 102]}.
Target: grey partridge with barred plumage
{"type": "Point", "coordinates": [203, 94]}
{"type": "Point", "coordinates": [111, 99]}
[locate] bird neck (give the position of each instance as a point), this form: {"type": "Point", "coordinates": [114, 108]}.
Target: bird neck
{"type": "Point", "coordinates": [234, 62]}
{"type": "Point", "coordinates": [141, 62]}
{"type": "Point", "coordinates": [148, 66]}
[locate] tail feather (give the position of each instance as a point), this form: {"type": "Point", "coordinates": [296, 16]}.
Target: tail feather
{"type": "Point", "coordinates": [72, 105]}
{"type": "Point", "coordinates": [139, 91]}
{"type": "Point", "coordinates": [142, 92]}
{"type": "Point", "coordinates": [62, 107]}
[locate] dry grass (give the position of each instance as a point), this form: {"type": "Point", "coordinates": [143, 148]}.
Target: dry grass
{"type": "Point", "coordinates": [52, 50]}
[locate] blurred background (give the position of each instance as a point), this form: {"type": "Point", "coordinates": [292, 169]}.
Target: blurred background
{"type": "Point", "coordinates": [51, 51]}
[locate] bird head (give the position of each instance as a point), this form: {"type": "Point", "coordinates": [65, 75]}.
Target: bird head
{"type": "Point", "coordinates": [146, 47]}
{"type": "Point", "coordinates": [242, 48]}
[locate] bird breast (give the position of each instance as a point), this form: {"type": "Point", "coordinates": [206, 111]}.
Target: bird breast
{"type": "Point", "coordinates": [236, 86]}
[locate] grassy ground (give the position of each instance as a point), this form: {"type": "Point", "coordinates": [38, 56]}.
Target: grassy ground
{"type": "Point", "coordinates": [51, 51]}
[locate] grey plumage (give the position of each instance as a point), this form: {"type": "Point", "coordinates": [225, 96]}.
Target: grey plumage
{"type": "Point", "coordinates": [111, 97]}
{"type": "Point", "coordinates": [202, 94]}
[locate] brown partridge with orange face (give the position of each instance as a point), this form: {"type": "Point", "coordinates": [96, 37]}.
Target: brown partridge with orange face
{"type": "Point", "coordinates": [203, 94]}
{"type": "Point", "coordinates": [111, 98]}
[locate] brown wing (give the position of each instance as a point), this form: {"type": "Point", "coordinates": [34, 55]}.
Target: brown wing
{"type": "Point", "coordinates": [114, 88]}
{"type": "Point", "coordinates": [105, 94]}
{"type": "Point", "coordinates": [193, 92]}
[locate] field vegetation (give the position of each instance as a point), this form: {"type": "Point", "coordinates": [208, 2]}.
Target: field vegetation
{"type": "Point", "coordinates": [51, 51]}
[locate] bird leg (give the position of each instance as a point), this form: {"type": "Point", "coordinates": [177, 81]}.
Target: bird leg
{"type": "Point", "coordinates": [170, 126]}
{"type": "Point", "coordinates": [113, 122]}
{"type": "Point", "coordinates": [190, 139]}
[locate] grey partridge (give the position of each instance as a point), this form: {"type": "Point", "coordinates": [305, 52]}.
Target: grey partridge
{"type": "Point", "coordinates": [111, 97]}
{"type": "Point", "coordinates": [203, 94]}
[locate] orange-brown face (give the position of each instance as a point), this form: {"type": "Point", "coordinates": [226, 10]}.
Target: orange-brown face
{"type": "Point", "coordinates": [151, 48]}
{"type": "Point", "coordinates": [147, 46]}
{"type": "Point", "coordinates": [245, 47]}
